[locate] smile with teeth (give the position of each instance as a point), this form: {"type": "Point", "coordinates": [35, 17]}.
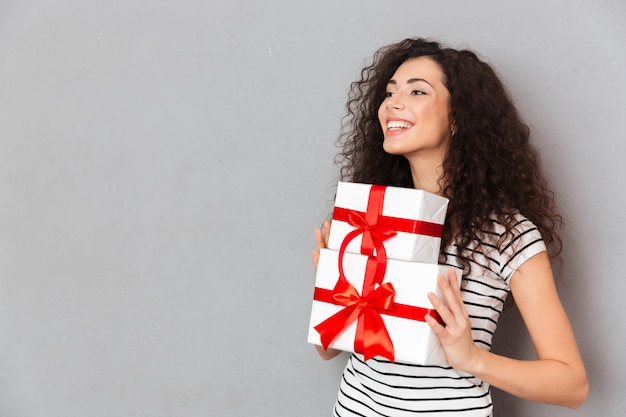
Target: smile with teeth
{"type": "Point", "coordinates": [397, 125]}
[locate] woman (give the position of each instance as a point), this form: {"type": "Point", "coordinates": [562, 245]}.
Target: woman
{"type": "Point", "coordinates": [438, 119]}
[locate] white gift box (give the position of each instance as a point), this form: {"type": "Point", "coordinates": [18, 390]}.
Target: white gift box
{"type": "Point", "coordinates": [413, 340]}
{"type": "Point", "coordinates": [418, 211]}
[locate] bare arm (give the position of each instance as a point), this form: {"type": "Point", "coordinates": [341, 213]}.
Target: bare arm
{"type": "Point", "coordinates": [321, 241]}
{"type": "Point", "coordinates": [558, 374]}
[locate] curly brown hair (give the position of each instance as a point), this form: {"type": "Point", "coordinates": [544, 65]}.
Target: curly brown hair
{"type": "Point", "coordinates": [490, 167]}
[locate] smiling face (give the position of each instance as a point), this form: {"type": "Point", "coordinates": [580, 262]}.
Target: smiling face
{"type": "Point", "coordinates": [415, 113]}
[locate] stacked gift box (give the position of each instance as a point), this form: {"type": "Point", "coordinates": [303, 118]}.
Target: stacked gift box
{"type": "Point", "coordinates": [372, 281]}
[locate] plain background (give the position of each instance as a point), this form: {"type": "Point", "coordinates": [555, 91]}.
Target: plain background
{"type": "Point", "coordinates": [163, 165]}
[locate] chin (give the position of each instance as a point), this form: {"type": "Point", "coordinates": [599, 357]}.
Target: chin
{"type": "Point", "coordinates": [392, 150]}
{"type": "Point", "coordinates": [389, 149]}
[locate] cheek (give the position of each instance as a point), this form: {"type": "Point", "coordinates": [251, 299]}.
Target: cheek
{"type": "Point", "coordinates": [440, 117]}
{"type": "Point", "coordinates": [381, 115]}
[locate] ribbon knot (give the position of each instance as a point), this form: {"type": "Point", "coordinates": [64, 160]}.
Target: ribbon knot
{"type": "Point", "coordinates": [372, 338]}
{"type": "Point", "coordinates": [368, 225]}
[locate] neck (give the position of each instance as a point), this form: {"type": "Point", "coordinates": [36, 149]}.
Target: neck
{"type": "Point", "coordinates": [426, 173]}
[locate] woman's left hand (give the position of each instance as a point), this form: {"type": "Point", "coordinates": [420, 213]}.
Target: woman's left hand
{"type": "Point", "coordinates": [456, 336]}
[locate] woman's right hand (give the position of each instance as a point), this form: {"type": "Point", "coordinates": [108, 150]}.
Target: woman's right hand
{"type": "Point", "coordinates": [321, 241]}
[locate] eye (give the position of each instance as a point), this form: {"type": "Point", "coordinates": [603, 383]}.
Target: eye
{"type": "Point", "coordinates": [388, 93]}
{"type": "Point", "coordinates": [417, 92]}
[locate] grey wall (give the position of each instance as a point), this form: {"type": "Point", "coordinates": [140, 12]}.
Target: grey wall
{"type": "Point", "coordinates": [163, 165]}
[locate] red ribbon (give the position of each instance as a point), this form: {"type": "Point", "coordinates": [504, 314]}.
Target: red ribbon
{"type": "Point", "coordinates": [403, 311]}
{"type": "Point", "coordinates": [374, 234]}
{"type": "Point", "coordinates": [368, 223]}
{"type": "Point", "coordinates": [378, 226]}
{"type": "Point", "coordinates": [372, 338]}
{"type": "Point", "coordinates": [399, 224]}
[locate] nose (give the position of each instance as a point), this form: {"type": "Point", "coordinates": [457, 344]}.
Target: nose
{"type": "Point", "coordinates": [393, 103]}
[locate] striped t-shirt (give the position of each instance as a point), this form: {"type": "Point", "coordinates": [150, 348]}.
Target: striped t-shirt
{"type": "Point", "coordinates": [382, 388]}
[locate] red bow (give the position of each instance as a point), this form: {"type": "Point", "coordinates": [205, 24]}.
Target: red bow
{"type": "Point", "coordinates": [368, 223]}
{"type": "Point", "coordinates": [369, 340]}
{"type": "Point", "coordinates": [372, 338]}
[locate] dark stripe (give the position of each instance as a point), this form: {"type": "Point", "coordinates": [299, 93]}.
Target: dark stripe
{"type": "Point", "coordinates": [483, 318]}
{"type": "Point", "coordinates": [481, 305]}
{"type": "Point", "coordinates": [484, 284]}
{"type": "Point", "coordinates": [407, 387]}
{"type": "Point", "coordinates": [440, 410]}
{"type": "Point", "coordinates": [517, 238]}
{"type": "Point", "coordinates": [493, 297]}
{"type": "Point", "coordinates": [516, 254]}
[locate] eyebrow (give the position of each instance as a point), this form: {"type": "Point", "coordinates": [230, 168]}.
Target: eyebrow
{"type": "Point", "coordinates": [410, 81]}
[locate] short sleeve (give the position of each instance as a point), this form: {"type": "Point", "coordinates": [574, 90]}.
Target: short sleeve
{"type": "Point", "coordinates": [524, 243]}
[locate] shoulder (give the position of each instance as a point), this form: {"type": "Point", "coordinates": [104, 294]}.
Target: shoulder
{"type": "Point", "coordinates": [517, 239]}
{"type": "Point", "coordinates": [515, 222]}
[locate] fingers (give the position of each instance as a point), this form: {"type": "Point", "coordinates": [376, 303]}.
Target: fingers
{"type": "Point", "coordinates": [452, 293]}
{"type": "Point", "coordinates": [321, 241]}
{"type": "Point", "coordinates": [326, 232]}
{"type": "Point", "coordinates": [321, 235]}
{"type": "Point", "coordinates": [315, 258]}
{"type": "Point", "coordinates": [453, 310]}
{"type": "Point", "coordinates": [444, 312]}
